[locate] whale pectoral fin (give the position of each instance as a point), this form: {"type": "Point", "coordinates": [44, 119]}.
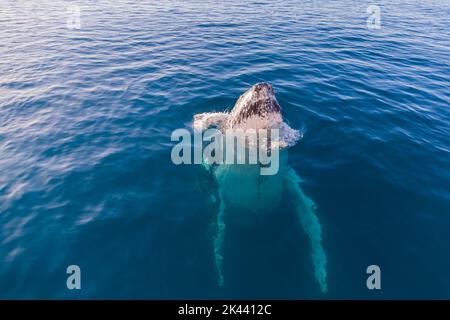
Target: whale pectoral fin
{"type": "Point", "coordinates": [305, 209]}
{"type": "Point", "coordinates": [219, 239]}
{"type": "Point", "coordinates": [203, 121]}
{"type": "Point", "coordinates": [209, 187]}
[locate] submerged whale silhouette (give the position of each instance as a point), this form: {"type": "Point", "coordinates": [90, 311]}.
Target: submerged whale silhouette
{"type": "Point", "coordinates": [242, 187]}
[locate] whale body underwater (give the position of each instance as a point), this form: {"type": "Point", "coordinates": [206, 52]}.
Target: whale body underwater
{"type": "Point", "coordinates": [242, 191]}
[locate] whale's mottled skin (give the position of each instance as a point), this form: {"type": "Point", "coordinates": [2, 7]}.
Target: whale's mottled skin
{"type": "Point", "coordinates": [258, 102]}
{"type": "Point", "coordinates": [243, 193]}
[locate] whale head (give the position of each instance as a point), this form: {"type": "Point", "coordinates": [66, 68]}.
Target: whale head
{"type": "Point", "coordinates": [257, 108]}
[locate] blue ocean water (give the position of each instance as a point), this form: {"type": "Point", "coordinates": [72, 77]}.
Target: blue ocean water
{"type": "Point", "coordinates": [86, 117]}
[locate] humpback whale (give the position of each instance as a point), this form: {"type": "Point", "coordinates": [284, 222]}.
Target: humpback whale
{"type": "Point", "coordinates": [247, 195]}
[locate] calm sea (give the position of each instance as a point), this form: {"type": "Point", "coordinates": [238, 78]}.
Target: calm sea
{"type": "Point", "coordinates": [86, 114]}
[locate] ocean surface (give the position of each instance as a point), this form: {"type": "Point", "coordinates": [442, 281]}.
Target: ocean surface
{"type": "Point", "coordinates": [86, 117]}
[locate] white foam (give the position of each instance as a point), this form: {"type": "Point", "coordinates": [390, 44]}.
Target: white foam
{"type": "Point", "coordinates": [288, 136]}
{"type": "Point", "coordinates": [205, 120]}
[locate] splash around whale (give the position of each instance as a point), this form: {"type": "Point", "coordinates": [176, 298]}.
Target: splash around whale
{"type": "Point", "coordinates": [241, 192]}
